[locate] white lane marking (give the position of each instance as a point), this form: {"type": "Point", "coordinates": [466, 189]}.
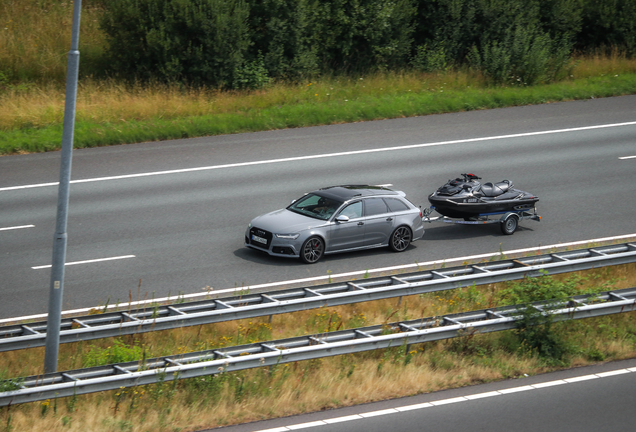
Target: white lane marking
{"type": "Point", "coordinates": [413, 407]}
{"type": "Point", "coordinates": [612, 373]}
{"type": "Point", "coordinates": [483, 395]}
{"type": "Point", "coordinates": [342, 419]}
{"type": "Point", "coordinates": [581, 378]}
{"type": "Point", "coordinates": [210, 291]}
{"type": "Point", "coordinates": [17, 227]}
{"type": "Point", "coordinates": [87, 261]}
{"type": "Point", "coordinates": [627, 157]}
{"type": "Point", "coordinates": [449, 401]}
{"type": "Point", "coordinates": [378, 413]}
{"type": "Point", "coordinates": [549, 384]}
{"type": "Point", "coordinates": [306, 425]}
{"type": "Point", "coordinates": [516, 389]}
{"type": "Point", "coordinates": [326, 155]}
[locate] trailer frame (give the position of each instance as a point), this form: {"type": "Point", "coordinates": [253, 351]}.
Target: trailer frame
{"type": "Point", "coordinates": [508, 220]}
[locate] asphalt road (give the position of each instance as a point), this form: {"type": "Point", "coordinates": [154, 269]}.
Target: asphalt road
{"type": "Point", "coordinates": [588, 399]}
{"type": "Point", "coordinates": [185, 223]}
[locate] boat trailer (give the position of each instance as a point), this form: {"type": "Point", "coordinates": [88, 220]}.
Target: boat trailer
{"type": "Point", "coordinates": [507, 220]}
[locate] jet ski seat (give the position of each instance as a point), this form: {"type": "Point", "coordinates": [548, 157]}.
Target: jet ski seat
{"type": "Point", "coordinates": [493, 190]}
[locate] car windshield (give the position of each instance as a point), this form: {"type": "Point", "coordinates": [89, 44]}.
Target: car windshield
{"type": "Point", "coordinates": [315, 206]}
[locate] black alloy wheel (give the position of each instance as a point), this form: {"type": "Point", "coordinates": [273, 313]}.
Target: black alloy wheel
{"type": "Point", "coordinates": [312, 250]}
{"type": "Point", "coordinates": [400, 239]}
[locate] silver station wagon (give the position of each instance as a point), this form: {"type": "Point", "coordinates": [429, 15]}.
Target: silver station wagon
{"type": "Point", "coordinates": [337, 219]}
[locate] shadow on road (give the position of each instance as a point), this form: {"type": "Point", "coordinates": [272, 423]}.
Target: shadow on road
{"type": "Point", "coordinates": [259, 257]}
{"type": "Point", "coordinates": [465, 232]}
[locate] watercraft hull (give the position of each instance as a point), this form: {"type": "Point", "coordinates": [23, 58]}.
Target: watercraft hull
{"type": "Point", "coordinates": [463, 208]}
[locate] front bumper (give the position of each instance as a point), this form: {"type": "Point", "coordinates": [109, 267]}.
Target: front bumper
{"type": "Point", "coordinates": [273, 246]}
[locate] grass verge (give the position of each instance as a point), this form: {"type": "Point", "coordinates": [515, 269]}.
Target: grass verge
{"type": "Point", "coordinates": [288, 389]}
{"type": "Point", "coordinates": [109, 114]}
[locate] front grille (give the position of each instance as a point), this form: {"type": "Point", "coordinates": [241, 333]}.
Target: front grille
{"type": "Point", "coordinates": [261, 234]}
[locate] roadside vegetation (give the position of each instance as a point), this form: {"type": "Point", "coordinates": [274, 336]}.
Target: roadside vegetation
{"type": "Point", "coordinates": [146, 75]}
{"type": "Point", "coordinates": [288, 389]}
{"type": "Point", "coordinates": [296, 64]}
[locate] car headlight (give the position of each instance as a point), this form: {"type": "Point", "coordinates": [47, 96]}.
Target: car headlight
{"type": "Point", "coordinates": [288, 236]}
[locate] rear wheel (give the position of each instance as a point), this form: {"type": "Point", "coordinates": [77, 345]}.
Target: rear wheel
{"type": "Point", "coordinates": [312, 250]}
{"type": "Point", "coordinates": [509, 226]}
{"type": "Point", "coordinates": [400, 239]}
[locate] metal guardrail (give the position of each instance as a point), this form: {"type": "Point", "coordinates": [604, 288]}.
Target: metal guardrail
{"type": "Point", "coordinates": [282, 351]}
{"type": "Point", "coordinates": [164, 317]}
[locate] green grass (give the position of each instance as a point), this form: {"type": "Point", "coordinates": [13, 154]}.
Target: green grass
{"type": "Point", "coordinates": [342, 109]}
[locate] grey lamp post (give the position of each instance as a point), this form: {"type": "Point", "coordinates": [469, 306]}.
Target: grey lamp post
{"type": "Point", "coordinates": [59, 244]}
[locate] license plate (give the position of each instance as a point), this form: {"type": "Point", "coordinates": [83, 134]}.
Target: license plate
{"type": "Point", "coordinates": [259, 239]}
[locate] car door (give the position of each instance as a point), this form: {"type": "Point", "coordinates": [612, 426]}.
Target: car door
{"type": "Point", "coordinates": [378, 222]}
{"type": "Point", "coordinates": [349, 234]}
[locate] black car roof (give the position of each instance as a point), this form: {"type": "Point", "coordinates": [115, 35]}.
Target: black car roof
{"type": "Point", "coordinates": [346, 192]}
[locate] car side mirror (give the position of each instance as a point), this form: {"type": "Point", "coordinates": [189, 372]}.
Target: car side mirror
{"type": "Point", "coordinates": [293, 201]}
{"type": "Point", "coordinates": [342, 218]}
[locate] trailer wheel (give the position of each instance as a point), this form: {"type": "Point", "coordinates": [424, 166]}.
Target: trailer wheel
{"type": "Point", "coordinates": [509, 224]}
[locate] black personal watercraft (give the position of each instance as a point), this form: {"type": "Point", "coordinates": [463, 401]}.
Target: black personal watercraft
{"type": "Point", "coordinates": [467, 198]}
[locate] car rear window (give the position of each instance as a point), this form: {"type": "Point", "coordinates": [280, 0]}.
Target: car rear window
{"type": "Point", "coordinates": [374, 206]}
{"type": "Point", "coordinates": [395, 205]}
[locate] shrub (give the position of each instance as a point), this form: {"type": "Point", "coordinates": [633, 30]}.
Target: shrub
{"type": "Point", "coordinates": [526, 56]}
{"type": "Point", "coordinates": [535, 330]}
{"type": "Point", "coordinates": [608, 24]}
{"type": "Point", "coordinates": [190, 41]}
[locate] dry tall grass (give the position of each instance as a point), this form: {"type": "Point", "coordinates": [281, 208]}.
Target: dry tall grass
{"type": "Point", "coordinates": [113, 102]}
{"type": "Point", "coordinates": [35, 37]}
{"type": "Point", "coordinates": [318, 384]}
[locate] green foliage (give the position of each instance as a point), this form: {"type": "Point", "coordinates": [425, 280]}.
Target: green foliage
{"type": "Point", "coordinates": [542, 288]}
{"type": "Point", "coordinates": [535, 330]}
{"type": "Point", "coordinates": [7, 384]}
{"type": "Point", "coordinates": [522, 54]}
{"type": "Point", "coordinates": [243, 44]}
{"type": "Point", "coordinates": [307, 37]}
{"type": "Point", "coordinates": [190, 41]}
{"type": "Point", "coordinates": [252, 75]}
{"type": "Point", "coordinates": [234, 43]}
{"type": "Point", "coordinates": [431, 59]}
{"type": "Point", "coordinates": [118, 352]}
{"type": "Point", "coordinates": [608, 24]}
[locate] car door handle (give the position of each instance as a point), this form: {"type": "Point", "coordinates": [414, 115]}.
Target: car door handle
{"type": "Point", "coordinates": [360, 223]}
{"type": "Point", "coordinates": [389, 219]}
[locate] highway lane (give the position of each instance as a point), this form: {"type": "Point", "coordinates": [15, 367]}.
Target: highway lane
{"type": "Point", "coordinates": [588, 399]}
{"type": "Point", "coordinates": [185, 229]}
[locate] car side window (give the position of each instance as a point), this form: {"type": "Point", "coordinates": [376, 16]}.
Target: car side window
{"type": "Point", "coordinates": [353, 210]}
{"type": "Point", "coordinates": [395, 205]}
{"type": "Point", "coordinates": [374, 206]}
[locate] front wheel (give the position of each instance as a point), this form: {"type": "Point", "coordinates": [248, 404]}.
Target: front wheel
{"type": "Point", "coordinates": [312, 250]}
{"type": "Point", "coordinates": [400, 239]}
{"type": "Point", "coordinates": [509, 226]}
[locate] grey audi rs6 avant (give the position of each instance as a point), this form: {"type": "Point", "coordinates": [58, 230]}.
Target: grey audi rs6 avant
{"type": "Point", "coordinates": [337, 219]}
